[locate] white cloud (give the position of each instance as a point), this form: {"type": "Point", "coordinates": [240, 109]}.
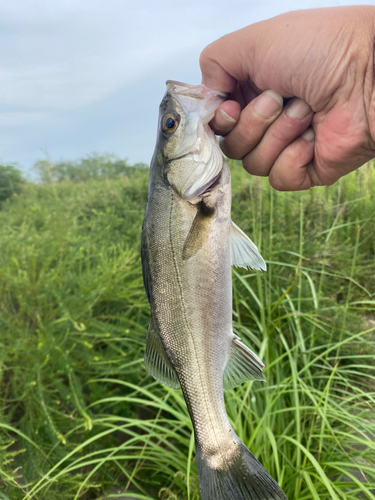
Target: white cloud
{"type": "Point", "coordinates": [14, 118]}
{"type": "Point", "coordinates": [70, 62]}
{"type": "Point", "coordinates": [71, 53]}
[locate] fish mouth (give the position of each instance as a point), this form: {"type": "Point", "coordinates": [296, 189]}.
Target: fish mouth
{"type": "Point", "coordinates": [180, 84]}
{"type": "Point", "coordinates": [195, 100]}
{"type": "Point", "coordinates": [194, 91]}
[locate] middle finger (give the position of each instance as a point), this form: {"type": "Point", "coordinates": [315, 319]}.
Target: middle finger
{"type": "Point", "coordinates": [294, 120]}
{"type": "Point", "coordinates": [254, 120]}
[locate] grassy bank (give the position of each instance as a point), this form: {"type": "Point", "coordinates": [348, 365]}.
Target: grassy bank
{"type": "Point", "coordinates": [80, 418]}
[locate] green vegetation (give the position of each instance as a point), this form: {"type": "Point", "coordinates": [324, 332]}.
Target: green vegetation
{"type": "Point", "coordinates": [80, 418]}
{"type": "Point", "coordinates": [10, 182]}
{"type": "Point", "coordinates": [93, 167]}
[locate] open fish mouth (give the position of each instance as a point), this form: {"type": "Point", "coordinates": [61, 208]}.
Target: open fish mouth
{"type": "Point", "coordinates": [194, 91]}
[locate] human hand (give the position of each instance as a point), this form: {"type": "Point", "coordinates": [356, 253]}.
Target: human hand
{"type": "Point", "coordinates": [323, 59]}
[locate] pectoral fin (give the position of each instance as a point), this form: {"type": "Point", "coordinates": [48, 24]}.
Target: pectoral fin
{"type": "Point", "coordinates": [243, 365]}
{"type": "Point", "coordinates": [243, 251]}
{"type": "Point", "coordinates": [199, 231]}
{"type": "Point", "coordinates": [156, 362]}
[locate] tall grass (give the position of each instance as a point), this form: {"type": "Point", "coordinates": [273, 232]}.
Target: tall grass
{"type": "Point", "coordinates": [80, 418]}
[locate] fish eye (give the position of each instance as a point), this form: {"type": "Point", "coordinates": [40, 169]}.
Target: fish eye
{"type": "Point", "coordinates": [170, 123]}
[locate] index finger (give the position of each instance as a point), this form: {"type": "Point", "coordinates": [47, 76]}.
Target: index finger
{"type": "Point", "coordinates": [225, 62]}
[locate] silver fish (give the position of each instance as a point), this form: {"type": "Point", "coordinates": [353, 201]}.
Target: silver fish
{"type": "Point", "coordinates": [188, 245]}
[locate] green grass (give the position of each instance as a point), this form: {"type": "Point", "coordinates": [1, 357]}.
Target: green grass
{"type": "Point", "coordinates": [80, 418]}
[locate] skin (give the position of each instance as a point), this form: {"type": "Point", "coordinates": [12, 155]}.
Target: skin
{"type": "Point", "coordinates": [322, 61]}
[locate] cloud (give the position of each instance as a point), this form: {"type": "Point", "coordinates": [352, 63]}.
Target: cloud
{"type": "Point", "coordinates": [67, 54]}
{"type": "Point", "coordinates": [78, 76]}
{"type": "Point", "coordinates": [16, 118]}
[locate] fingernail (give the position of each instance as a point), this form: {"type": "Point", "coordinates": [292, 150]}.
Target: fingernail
{"type": "Point", "coordinates": [269, 103]}
{"type": "Point", "coordinates": [298, 109]}
{"type": "Point", "coordinates": [308, 135]}
{"type": "Point", "coordinates": [226, 117]}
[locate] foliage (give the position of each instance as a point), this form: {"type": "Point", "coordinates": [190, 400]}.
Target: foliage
{"type": "Point", "coordinates": [93, 167]}
{"type": "Point", "coordinates": [10, 182]}
{"type": "Point", "coordinates": [79, 417]}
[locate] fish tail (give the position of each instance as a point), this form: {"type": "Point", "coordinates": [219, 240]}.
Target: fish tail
{"type": "Point", "coordinates": [244, 478]}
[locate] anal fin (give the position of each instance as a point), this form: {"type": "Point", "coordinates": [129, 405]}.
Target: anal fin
{"type": "Point", "coordinates": [243, 365]}
{"type": "Point", "coordinates": [156, 362]}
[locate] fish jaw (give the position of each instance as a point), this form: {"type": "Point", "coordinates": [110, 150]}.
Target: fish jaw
{"type": "Point", "coordinates": [197, 99]}
{"type": "Point", "coordinates": [194, 159]}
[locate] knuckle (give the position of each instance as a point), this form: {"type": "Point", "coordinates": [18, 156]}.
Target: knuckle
{"type": "Point", "coordinates": [276, 184]}
{"type": "Point", "coordinates": [298, 152]}
{"type": "Point", "coordinates": [292, 152]}
{"type": "Point", "coordinates": [255, 167]}
{"type": "Point", "coordinates": [259, 161]}
{"type": "Point", "coordinates": [248, 132]}
{"type": "Point", "coordinates": [229, 150]}
{"type": "Point", "coordinates": [237, 143]}
{"type": "Point", "coordinates": [206, 57]}
{"type": "Point", "coordinates": [283, 130]}
{"type": "Point", "coordinates": [244, 135]}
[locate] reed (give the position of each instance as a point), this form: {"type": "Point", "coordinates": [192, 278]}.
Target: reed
{"type": "Point", "coordinates": [80, 418]}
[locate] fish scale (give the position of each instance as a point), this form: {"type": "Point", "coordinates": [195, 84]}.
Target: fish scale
{"type": "Point", "coordinates": [188, 245]}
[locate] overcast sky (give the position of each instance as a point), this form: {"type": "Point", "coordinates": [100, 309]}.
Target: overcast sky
{"type": "Point", "coordinates": [83, 76]}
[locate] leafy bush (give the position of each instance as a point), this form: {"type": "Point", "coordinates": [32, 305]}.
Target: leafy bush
{"type": "Point", "coordinates": [11, 180]}
{"type": "Point", "coordinates": [93, 167]}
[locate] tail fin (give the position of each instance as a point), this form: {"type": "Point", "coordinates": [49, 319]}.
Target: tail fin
{"type": "Point", "coordinates": [243, 479]}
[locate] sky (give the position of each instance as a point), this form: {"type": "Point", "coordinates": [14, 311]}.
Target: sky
{"type": "Point", "coordinates": [85, 76]}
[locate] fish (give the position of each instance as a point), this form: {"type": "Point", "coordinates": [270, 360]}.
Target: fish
{"type": "Point", "coordinates": [188, 246]}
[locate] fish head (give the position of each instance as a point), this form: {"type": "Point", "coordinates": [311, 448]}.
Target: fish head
{"type": "Point", "coordinates": [189, 153]}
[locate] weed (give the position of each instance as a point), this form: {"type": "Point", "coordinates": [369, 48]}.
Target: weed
{"type": "Point", "coordinates": [80, 418]}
